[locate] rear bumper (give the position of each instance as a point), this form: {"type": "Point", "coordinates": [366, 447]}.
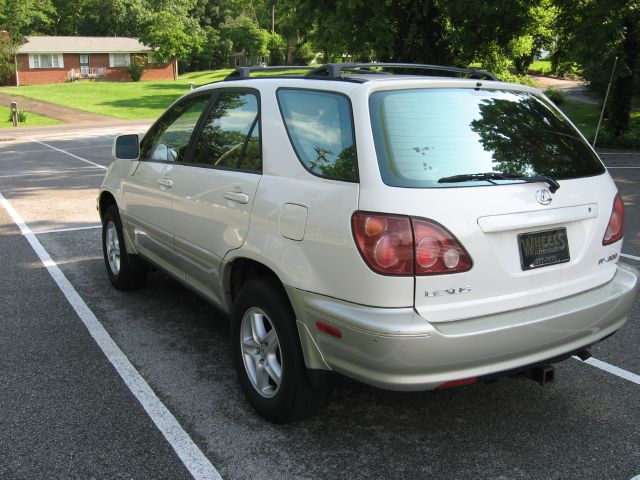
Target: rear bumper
{"type": "Point", "coordinates": [398, 350]}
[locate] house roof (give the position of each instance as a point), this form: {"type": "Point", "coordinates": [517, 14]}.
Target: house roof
{"type": "Point", "coordinates": [52, 44]}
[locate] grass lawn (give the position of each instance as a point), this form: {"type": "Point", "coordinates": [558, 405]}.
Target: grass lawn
{"type": "Point", "coordinates": [540, 67]}
{"type": "Point", "coordinates": [583, 115]}
{"type": "Point", "coordinates": [33, 120]}
{"type": "Point", "coordinates": [126, 100]}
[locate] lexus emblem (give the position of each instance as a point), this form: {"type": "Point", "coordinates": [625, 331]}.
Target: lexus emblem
{"type": "Point", "coordinates": [543, 197]}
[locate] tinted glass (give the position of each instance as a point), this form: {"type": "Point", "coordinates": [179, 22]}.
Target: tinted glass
{"type": "Point", "coordinates": [169, 139]}
{"type": "Point", "coordinates": [424, 135]}
{"type": "Point", "coordinates": [321, 130]}
{"type": "Point", "coordinates": [230, 137]}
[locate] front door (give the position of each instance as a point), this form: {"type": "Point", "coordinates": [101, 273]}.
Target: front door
{"type": "Point", "coordinates": [149, 189]}
{"type": "Point", "coordinates": [84, 64]}
{"type": "Point", "coordinates": [215, 187]}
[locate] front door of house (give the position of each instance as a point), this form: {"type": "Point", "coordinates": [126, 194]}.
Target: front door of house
{"type": "Point", "coordinates": [84, 64]}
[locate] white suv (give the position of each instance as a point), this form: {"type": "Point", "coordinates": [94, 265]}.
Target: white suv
{"type": "Point", "coordinates": [412, 232]}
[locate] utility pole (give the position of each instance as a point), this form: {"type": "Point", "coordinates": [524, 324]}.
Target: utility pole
{"type": "Point", "coordinates": [273, 18]}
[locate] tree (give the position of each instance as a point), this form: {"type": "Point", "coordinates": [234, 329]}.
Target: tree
{"type": "Point", "coordinates": [539, 35]}
{"type": "Point", "coordinates": [247, 36]}
{"type": "Point", "coordinates": [444, 32]}
{"type": "Point", "coordinates": [7, 58]}
{"type": "Point", "coordinates": [167, 32]}
{"type": "Point", "coordinates": [592, 33]}
{"type": "Point", "coordinates": [24, 17]}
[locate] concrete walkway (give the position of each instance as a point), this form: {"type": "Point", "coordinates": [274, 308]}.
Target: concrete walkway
{"type": "Point", "coordinates": [58, 112]}
{"type": "Point", "coordinates": [573, 89]}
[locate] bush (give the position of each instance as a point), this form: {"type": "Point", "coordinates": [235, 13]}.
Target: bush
{"type": "Point", "coordinates": [630, 139]}
{"type": "Point", "coordinates": [22, 116]}
{"type": "Point", "coordinates": [277, 49]}
{"type": "Point", "coordinates": [304, 54]}
{"type": "Point", "coordinates": [555, 96]}
{"type": "Point", "coordinates": [136, 67]}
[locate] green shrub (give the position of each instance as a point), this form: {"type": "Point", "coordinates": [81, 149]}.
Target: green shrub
{"type": "Point", "coordinates": [136, 67]}
{"type": "Point", "coordinates": [630, 139]}
{"type": "Point", "coordinates": [22, 116]}
{"type": "Point", "coordinates": [555, 96]}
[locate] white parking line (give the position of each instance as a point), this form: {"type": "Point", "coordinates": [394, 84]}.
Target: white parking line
{"type": "Point", "coordinates": [192, 457]}
{"type": "Point", "coordinates": [619, 372]}
{"type": "Point", "coordinates": [632, 257]}
{"type": "Point", "coordinates": [70, 154]}
{"type": "Point", "coordinates": [92, 227]}
{"type": "Point", "coordinates": [617, 153]}
{"type": "Point", "coordinates": [609, 168]}
{"type": "Point", "coordinates": [68, 148]}
{"type": "Point", "coordinates": [48, 172]}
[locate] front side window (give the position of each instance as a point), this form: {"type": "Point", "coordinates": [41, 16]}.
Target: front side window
{"type": "Point", "coordinates": [321, 130]}
{"type": "Point", "coordinates": [169, 139]}
{"type": "Point", "coordinates": [230, 136]}
{"type": "Point", "coordinates": [423, 137]}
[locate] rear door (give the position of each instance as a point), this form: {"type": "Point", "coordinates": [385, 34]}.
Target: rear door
{"type": "Point", "coordinates": [215, 187]}
{"type": "Point", "coordinates": [148, 190]}
{"type": "Point", "coordinates": [527, 245]}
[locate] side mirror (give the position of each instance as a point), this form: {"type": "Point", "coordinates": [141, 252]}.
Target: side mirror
{"type": "Point", "coordinates": [126, 147]}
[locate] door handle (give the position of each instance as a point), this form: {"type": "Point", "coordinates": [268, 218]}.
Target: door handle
{"type": "Point", "coordinates": [237, 197]}
{"type": "Point", "coordinates": [166, 182]}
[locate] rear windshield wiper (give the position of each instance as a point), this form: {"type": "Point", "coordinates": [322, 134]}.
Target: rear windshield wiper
{"type": "Point", "coordinates": [491, 176]}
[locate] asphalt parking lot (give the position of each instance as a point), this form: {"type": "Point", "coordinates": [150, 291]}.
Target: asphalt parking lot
{"type": "Point", "coordinates": [98, 383]}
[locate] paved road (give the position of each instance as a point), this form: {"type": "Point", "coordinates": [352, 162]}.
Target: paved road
{"type": "Point", "coordinates": [68, 413]}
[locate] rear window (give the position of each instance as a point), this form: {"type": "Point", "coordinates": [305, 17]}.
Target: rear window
{"type": "Point", "coordinates": [424, 135]}
{"type": "Point", "coordinates": [320, 127]}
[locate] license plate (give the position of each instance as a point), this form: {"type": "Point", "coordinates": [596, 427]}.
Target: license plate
{"type": "Point", "coordinates": [539, 249]}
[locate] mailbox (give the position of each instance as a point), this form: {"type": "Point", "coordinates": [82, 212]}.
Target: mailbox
{"type": "Point", "coordinates": [14, 113]}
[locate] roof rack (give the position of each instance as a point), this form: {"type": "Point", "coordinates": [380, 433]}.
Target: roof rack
{"type": "Point", "coordinates": [333, 71]}
{"type": "Point", "coordinates": [243, 73]}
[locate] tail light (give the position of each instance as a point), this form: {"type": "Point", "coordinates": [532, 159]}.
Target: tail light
{"type": "Point", "coordinates": [395, 245]}
{"type": "Point", "coordinates": [615, 228]}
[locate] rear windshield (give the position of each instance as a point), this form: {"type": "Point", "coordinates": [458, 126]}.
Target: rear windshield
{"type": "Point", "coordinates": [426, 135]}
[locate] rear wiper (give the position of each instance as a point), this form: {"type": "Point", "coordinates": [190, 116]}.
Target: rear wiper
{"type": "Point", "coordinates": [491, 176]}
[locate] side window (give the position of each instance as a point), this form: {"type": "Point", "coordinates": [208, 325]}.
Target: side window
{"type": "Point", "coordinates": [321, 130]}
{"type": "Point", "coordinates": [169, 140]}
{"type": "Point", "coordinates": [230, 136]}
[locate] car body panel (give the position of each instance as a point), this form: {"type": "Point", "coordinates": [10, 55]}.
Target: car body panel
{"type": "Point", "coordinates": [397, 349]}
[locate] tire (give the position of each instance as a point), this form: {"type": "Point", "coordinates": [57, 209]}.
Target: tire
{"type": "Point", "coordinates": [126, 272]}
{"type": "Point", "coordinates": [266, 348]}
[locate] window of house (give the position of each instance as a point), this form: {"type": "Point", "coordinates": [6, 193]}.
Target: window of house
{"type": "Point", "coordinates": [46, 60]}
{"type": "Point", "coordinates": [119, 59]}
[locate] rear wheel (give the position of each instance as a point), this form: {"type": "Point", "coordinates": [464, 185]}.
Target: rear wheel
{"type": "Point", "coordinates": [126, 272]}
{"type": "Point", "coordinates": [267, 354]}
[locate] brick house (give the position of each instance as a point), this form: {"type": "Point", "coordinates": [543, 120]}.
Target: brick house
{"type": "Point", "coordinates": [49, 59]}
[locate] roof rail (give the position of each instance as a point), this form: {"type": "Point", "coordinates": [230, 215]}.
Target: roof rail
{"type": "Point", "coordinates": [245, 72]}
{"type": "Point", "coordinates": [333, 71]}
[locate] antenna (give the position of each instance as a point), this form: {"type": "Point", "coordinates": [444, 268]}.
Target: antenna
{"type": "Point", "coordinates": [604, 104]}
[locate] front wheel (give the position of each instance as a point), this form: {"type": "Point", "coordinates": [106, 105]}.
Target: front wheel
{"type": "Point", "coordinates": [126, 272]}
{"type": "Point", "coordinates": [267, 354]}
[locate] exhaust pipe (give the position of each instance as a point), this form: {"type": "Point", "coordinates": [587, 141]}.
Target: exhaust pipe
{"type": "Point", "coordinates": [543, 375]}
{"type": "Point", "coordinates": [584, 354]}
